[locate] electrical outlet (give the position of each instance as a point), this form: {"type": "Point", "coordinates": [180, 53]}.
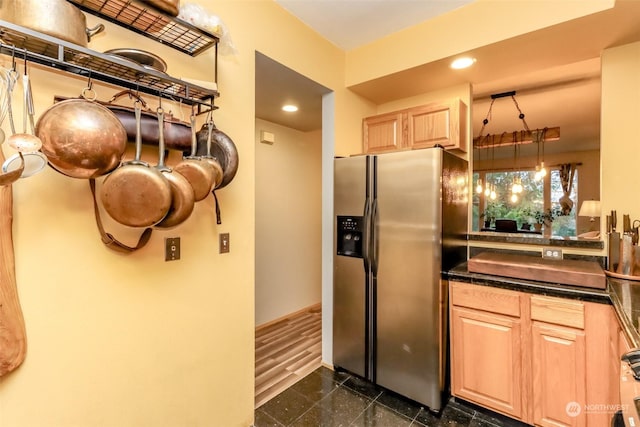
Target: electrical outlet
{"type": "Point", "coordinates": [552, 253]}
{"type": "Point", "coordinates": [171, 248]}
{"type": "Point", "coordinates": [224, 243]}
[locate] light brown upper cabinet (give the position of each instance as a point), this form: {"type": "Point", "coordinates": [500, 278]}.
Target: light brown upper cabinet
{"type": "Point", "coordinates": [438, 123]}
{"type": "Point", "coordinates": [385, 132]}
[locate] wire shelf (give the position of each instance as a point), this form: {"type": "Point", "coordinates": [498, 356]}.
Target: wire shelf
{"type": "Point", "coordinates": [151, 23]}
{"type": "Point", "coordinates": [59, 54]}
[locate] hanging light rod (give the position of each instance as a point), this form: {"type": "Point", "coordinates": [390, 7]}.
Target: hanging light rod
{"type": "Point", "coordinates": [503, 94]}
{"type": "Point", "coordinates": [521, 168]}
{"type": "Point", "coordinates": [516, 137]}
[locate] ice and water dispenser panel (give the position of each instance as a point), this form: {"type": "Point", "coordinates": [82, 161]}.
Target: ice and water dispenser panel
{"type": "Point", "coordinates": [349, 238]}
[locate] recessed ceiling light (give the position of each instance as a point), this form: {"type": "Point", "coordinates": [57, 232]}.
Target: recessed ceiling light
{"type": "Point", "coordinates": [461, 63]}
{"type": "Point", "coordinates": [289, 108]}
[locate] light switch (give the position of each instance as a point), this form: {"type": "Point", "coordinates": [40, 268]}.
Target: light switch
{"type": "Point", "coordinates": [171, 248]}
{"type": "Point", "coordinates": [224, 243]}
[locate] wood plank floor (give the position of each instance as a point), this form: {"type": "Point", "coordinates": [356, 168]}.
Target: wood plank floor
{"type": "Point", "coordinates": [287, 351]}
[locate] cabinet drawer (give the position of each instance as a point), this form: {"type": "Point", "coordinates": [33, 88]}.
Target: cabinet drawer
{"type": "Point", "coordinates": [557, 311]}
{"type": "Point", "coordinates": [486, 298]}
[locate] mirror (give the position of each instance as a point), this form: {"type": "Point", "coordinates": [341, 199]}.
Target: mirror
{"type": "Point", "coordinates": [567, 97]}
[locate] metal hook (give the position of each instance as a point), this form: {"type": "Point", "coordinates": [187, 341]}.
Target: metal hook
{"type": "Point", "coordinates": [13, 58]}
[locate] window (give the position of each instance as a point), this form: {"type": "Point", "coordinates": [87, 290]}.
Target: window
{"type": "Point", "coordinates": [564, 225]}
{"type": "Point", "coordinates": [537, 196]}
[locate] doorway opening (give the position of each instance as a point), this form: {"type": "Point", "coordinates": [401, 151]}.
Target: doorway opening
{"type": "Point", "coordinates": [288, 276]}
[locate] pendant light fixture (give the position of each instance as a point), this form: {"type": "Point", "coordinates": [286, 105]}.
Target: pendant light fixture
{"type": "Point", "coordinates": [492, 188]}
{"type": "Point", "coordinates": [516, 187]}
{"type": "Point", "coordinates": [479, 187]}
{"type": "Point", "coordinates": [541, 171]}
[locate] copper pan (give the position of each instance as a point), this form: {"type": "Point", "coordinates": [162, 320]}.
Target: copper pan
{"type": "Point", "coordinates": [182, 195]}
{"type": "Point", "coordinates": [213, 143]}
{"type": "Point", "coordinates": [136, 194]}
{"type": "Point", "coordinates": [200, 173]}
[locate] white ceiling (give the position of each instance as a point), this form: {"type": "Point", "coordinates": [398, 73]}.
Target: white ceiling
{"type": "Point", "coordinates": [555, 72]}
{"type": "Point", "coordinates": [352, 23]}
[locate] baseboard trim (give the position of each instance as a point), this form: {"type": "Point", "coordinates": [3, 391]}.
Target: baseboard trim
{"type": "Point", "coordinates": [327, 365]}
{"type": "Point", "coordinates": [312, 307]}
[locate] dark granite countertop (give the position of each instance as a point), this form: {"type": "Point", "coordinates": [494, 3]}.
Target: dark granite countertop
{"type": "Point", "coordinates": [624, 295]}
{"type": "Point", "coordinates": [533, 239]}
{"type": "Point", "coordinates": [462, 274]}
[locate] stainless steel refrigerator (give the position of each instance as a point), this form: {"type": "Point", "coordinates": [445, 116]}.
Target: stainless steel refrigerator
{"type": "Point", "coordinates": [400, 220]}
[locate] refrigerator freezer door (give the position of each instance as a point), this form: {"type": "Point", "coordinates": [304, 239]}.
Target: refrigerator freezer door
{"type": "Point", "coordinates": [350, 281]}
{"type": "Point", "coordinates": [409, 239]}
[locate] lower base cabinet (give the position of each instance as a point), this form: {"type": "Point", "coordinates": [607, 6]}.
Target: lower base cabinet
{"type": "Point", "coordinates": [559, 375]}
{"type": "Point", "coordinates": [485, 376]}
{"type": "Point", "coordinates": [542, 360]}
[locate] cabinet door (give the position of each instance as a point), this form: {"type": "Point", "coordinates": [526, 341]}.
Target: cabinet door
{"type": "Point", "coordinates": [559, 375]}
{"type": "Point", "coordinates": [383, 133]}
{"type": "Point", "coordinates": [487, 360]}
{"type": "Point", "coordinates": [437, 123]}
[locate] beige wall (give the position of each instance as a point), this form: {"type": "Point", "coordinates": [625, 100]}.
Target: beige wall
{"type": "Point", "coordinates": [118, 340]}
{"type": "Point", "coordinates": [132, 340]}
{"type": "Point", "coordinates": [288, 221]}
{"type": "Point", "coordinates": [620, 113]}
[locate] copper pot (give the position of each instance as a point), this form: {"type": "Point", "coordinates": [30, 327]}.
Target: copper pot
{"type": "Point", "coordinates": [81, 138]}
{"type": "Point", "coordinates": [57, 18]}
{"type": "Point", "coordinates": [177, 135]}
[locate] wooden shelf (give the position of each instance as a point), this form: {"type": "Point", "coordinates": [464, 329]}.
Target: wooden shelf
{"type": "Point", "coordinates": [516, 137]}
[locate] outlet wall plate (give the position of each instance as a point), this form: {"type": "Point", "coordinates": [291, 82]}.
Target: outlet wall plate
{"type": "Point", "coordinates": [552, 253]}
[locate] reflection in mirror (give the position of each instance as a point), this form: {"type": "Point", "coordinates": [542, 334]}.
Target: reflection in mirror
{"type": "Point", "coordinates": [551, 123]}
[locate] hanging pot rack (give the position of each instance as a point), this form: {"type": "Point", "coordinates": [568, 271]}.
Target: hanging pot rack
{"type": "Point", "coordinates": [58, 54]}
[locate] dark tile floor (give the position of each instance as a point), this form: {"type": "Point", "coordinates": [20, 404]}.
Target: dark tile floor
{"type": "Point", "coordinates": [326, 398]}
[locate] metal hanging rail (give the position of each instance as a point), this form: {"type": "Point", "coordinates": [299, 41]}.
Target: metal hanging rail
{"type": "Point", "coordinates": [59, 54]}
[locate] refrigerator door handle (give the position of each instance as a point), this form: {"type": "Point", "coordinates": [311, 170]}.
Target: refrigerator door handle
{"type": "Point", "coordinates": [366, 235]}
{"type": "Point", "coordinates": [374, 240]}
